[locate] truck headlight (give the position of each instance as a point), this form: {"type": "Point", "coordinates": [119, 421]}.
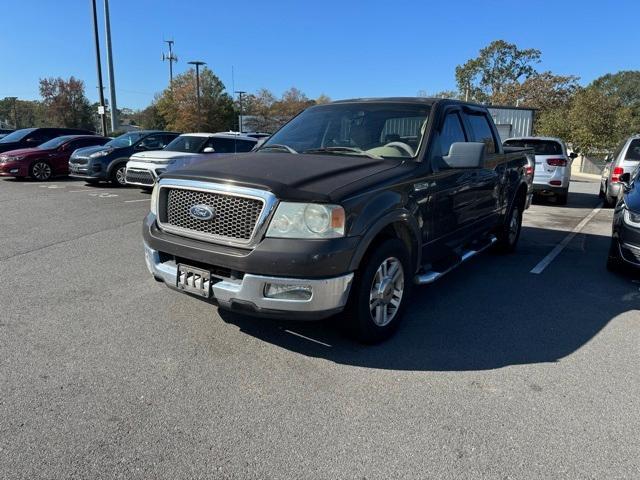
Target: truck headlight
{"type": "Point", "coordinates": [631, 219]}
{"type": "Point", "coordinates": [154, 200]}
{"type": "Point", "coordinates": [307, 220]}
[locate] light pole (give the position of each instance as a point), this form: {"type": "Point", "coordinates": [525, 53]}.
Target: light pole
{"type": "Point", "coordinates": [198, 63]}
{"type": "Point", "coordinates": [110, 73]}
{"type": "Point", "coordinates": [103, 119]}
{"type": "Point", "coordinates": [240, 93]}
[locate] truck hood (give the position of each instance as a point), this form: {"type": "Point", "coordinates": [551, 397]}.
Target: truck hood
{"type": "Point", "coordinates": [288, 176]}
{"type": "Point", "coordinates": [159, 156]}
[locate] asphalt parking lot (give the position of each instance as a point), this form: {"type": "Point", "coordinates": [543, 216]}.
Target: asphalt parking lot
{"type": "Point", "coordinates": [496, 373]}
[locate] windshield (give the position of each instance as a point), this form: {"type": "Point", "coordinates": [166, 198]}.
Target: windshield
{"type": "Point", "coordinates": [540, 147]}
{"type": "Point", "coordinates": [55, 143]}
{"type": "Point", "coordinates": [17, 135]}
{"type": "Point", "coordinates": [378, 130]}
{"type": "Point", "coordinates": [186, 143]}
{"type": "Point", "coordinates": [126, 140]}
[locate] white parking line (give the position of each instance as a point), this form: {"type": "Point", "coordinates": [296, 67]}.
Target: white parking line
{"type": "Point", "coordinates": [308, 338]}
{"type": "Point", "coordinates": [544, 263]}
{"type": "Point", "coordinates": [142, 200]}
{"type": "Point", "coordinates": [76, 191]}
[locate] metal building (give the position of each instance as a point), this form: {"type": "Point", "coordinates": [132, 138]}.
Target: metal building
{"type": "Point", "coordinates": [513, 121]}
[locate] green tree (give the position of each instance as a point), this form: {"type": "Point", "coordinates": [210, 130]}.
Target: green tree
{"type": "Point", "coordinates": [625, 86]}
{"type": "Point", "coordinates": [542, 91]}
{"type": "Point", "coordinates": [178, 107]}
{"type": "Point", "coordinates": [149, 118]}
{"type": "Point", "coordinates": [21, 113]}
{"type": "Point", "coordinates": [65, 104]}
{"type": "Point", "coordinates": [498, 65]}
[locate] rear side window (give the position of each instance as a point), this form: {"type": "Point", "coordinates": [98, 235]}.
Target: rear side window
{"type": "Point", "coordinates": [482, 131]}
{"type": "Point", "coordinates": [540, 147]}
{"type": "Point", "coordinates": [633, 152]}
{"type": "Point", "coordinates": [244, 146]}
{"type": "Point", "coordinates": [230, 145]}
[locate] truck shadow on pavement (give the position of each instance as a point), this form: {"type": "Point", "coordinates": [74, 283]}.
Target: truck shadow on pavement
{"type": "Point", "coordinates": [490, 313]}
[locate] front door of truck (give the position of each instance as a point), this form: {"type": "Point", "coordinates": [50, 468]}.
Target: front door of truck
{"type": "Point", "coordinates": [455, 198]}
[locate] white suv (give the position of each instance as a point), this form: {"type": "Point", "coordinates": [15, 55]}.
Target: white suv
{"type": "Point", "coordinates": [552, 172]}
{"type": "Point", "coordinates": [144, 168]}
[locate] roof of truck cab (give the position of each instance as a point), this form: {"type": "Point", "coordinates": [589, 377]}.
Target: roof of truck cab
{"type": "Point", "coordinates": [417, 100]}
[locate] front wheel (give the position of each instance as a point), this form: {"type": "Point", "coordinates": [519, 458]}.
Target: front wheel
{"type": "Point", "coordinates": [40, 170]}
{"type": "Point", "coordinates": [380, 292]}
{"type": "Point", "coordinates": [118, 176]}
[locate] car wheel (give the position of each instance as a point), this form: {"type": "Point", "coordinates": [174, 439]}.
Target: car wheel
{"type": "Point", "coordinates": [614, 262]}
{"type": "Point", "coordinates": [379, 293]}
{"type": "Point", "coordinates": [510, 233]}
{"type": "Point", "coordinates": [562, 198]}
{"type": "Point", "coordinates": [118, 176]}
{"type": "Point", "coordinates": [40, 170]}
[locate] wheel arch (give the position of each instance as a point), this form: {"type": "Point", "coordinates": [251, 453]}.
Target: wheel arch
{"type": "Point", "coordinates": [397, 224]}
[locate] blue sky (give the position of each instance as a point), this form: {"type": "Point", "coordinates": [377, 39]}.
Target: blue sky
{"type": "Point", "coordinates": [342, 48]}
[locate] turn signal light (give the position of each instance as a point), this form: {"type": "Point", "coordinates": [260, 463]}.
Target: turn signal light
{"type": "Point", "coordinates": [557, 162]}
{"type": "Point", "coordinates": [615, 175]}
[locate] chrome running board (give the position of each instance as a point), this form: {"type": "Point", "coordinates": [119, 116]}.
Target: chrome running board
{"type": "Point", "coordinates": [431, 276]}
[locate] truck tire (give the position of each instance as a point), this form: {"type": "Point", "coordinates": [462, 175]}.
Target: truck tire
{"type": "Point", "coordinates": [509, 234]}
{"type": "Point", "coordinates": [379, 293]}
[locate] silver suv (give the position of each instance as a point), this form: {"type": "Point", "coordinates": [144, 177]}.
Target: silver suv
{"type": "Point", "coordinates": [625, 159]}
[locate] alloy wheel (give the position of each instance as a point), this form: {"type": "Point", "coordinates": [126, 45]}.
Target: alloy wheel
{"type": "Point", "coordinates": [41, 171]}
{"type": "Point", "coordinates": [386, 292]}
{"type": "Point", "coordinates": [514, 225]}
{"type": "Point", "coordinates": [121, 175]}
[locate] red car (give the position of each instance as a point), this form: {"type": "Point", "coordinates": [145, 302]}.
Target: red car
{"type": "Point", "coordinates": [46, 160]}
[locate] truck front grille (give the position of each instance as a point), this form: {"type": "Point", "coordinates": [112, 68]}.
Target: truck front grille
{"type": "Point", "coordinates": [234, 217]}
{"type": "Point", "coordinates": [143, 177]}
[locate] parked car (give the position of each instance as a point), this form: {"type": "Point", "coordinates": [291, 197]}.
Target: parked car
{"type": "Point", "coordinates": [32, 137]}
{"type": "Point", "coordinates": [144, 168]}
{"type": "Point", "coordinates": [4, 132]}
{"type": "Point", "coordinates": [344, 208]}
{"type": "Point", "coordinates": [625, 159]}
{"type": "Point", "coordinates": [552, 173]}
{"type": "Point", "coordinates": [46, 160]}
{"type": "Point", "coordinates": [625, 241]}
{"type": "Point", "coordinates": [109, 162]}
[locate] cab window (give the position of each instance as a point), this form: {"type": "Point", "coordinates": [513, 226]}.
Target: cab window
{"type": "Point", "coordinates": [481, 130]}
{"type": "Point", "coordinates": [450, 133]}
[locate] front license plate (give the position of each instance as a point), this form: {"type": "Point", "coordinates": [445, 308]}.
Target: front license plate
{"type": "Point", "coordinates": [194, 280]}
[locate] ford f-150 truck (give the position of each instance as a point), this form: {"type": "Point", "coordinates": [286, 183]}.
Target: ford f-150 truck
{"type": "Point", "coordinates": [343, 209]}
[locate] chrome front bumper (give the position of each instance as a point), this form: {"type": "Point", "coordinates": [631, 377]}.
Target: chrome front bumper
{"type": "Point", "coordinates": [329, 295]}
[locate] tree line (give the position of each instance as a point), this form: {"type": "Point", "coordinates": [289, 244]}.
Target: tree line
{"type": "Point", "coordinates": [592, 118]}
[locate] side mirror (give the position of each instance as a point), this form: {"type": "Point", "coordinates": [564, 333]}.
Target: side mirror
{"type": "Point", "coordinates": [465, 155]}
{"type": "Point", "coordinates": [573, 155]}
{"type": "Point", "coordinates": [625, 180]}
{"type": "Point", "coordinates": [208, 150]}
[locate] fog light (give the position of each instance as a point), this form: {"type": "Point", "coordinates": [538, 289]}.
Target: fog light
{"type": "Point", "coordinates": [281, 291]}
{"type": "Point", "coordinates": [555, 182]}
{"type": "Point", "coordinates": [14, 170]}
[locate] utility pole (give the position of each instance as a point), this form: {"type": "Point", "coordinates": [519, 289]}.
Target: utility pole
{"type": "Point", "coordinates": [240, 93]}
{"type": "Point", "coordinates": [103, 119]}
{"type": "Point", "coordinates": [170, 58]}
{"type": "Point", "coordinates": [198, 63]}
{"type": "Point", "coordinates": [112, 80]}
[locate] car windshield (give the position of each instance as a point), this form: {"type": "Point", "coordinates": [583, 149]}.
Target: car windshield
{"type": "Point", "coordinates": [371, 129]}
{"type": "Point", "coordinates": [17, 135]}
{"type": "Point", "coordinates": [126, 140]}
{"type": "Point", "coordinates": [540, 147]}
{"type": "Point", "coordinates": [186, 143]}
{"type": "Point", "coordinates": [55, 142]}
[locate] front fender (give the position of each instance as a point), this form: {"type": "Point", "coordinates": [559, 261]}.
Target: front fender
{"type": "Point", "coordinates": [401, 216]}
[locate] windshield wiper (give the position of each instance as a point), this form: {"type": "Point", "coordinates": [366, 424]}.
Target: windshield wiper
{"type": "Point", "coordinates": [345, 151]}
{"type": "Point", "coordinates": [278, 146]}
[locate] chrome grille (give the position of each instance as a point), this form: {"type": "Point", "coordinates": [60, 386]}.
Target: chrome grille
{"type": "Point", "coordinates": [139, 176]}
{"type": "Point", "coordinates": [235, 217]}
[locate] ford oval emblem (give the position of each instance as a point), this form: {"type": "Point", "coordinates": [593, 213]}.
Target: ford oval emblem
{"type": "Point", "coordinates": [202, 212]}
